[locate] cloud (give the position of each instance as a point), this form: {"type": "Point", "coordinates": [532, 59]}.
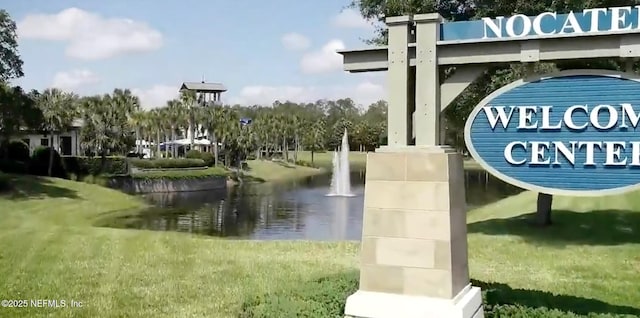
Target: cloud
{"type": "Point", "coordinates": [156, 96]}
{"type": "Point", "coordinates": [324, 61]}
{"type": "Point", "coordinates": [364, 93]}
{"type": "Point", "coordinates": [351, 19]}
{"type": "Point", "coordinates": [74, 79]}
{"type": "Point", "coordinates": [295, 42]}
{"type": "Point", "coordinates": [90, 36]}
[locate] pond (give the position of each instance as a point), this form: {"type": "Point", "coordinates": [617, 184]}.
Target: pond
{"type": "Point", "coordinates": [290, 211]}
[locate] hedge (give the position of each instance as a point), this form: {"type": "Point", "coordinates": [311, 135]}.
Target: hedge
{"type": "Point", "coordinates": [15, 151]}
{"type": "Point", "coordinates": [207, 157]}
{"type": "Point", "coordinates": [166, 163]}
{"type": "Point", "coordinates": [93, 166]}
{"type": "Point", "coordinates": [325, 297]}
{"type": "Point", "coordinates": [39, 163]}
{"type": "Point", "coordinates": [17, 167]}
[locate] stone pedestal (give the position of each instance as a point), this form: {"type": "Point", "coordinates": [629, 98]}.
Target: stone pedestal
{"type": "Point", "coordinates": [414, 238]}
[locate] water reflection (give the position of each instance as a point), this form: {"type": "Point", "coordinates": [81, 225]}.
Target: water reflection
{"type": "Point", "coordinates": [297, 210]}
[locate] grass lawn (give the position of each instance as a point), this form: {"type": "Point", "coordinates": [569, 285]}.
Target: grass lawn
{"type": "Point", "coordinates": [267, 170]}
{"type": "Point", "coordinates": [358, 160]}
{"type": "Point", "coordinates": [590, 259]}
{"type": "Point", "coordinates": [590, 256]}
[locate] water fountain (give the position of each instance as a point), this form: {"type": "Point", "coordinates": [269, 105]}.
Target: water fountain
{"type": "Point", "coordinates": [341, 178]}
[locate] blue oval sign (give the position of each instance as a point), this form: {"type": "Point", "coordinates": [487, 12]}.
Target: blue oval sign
{"type": "Point", "coordinates": [573, 133]}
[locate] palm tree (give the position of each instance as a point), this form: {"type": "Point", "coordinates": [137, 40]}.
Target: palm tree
{"type": "Point", "coordinates": [137, 120]}
{"type": "Point", "coordinates": [174, 115]}
{"type": "Point", "coordinates": [314, 137]}
{"type": "Point", "coordinates": [153, 129]}
{"type": "Point", "coordinates": [213, 122]}
{"type": "Point", "coordinates": [125, 105]}
{"type": "Point", "coordinates": [188, 99]}
{"type": "Point", "coordinates": [102, 131]}
{"type": "Point", "coordinates": [58, 111]}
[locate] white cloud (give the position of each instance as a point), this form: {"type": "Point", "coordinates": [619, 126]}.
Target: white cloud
{"type": "Point", "coordinates": [324, 61]}
{"type": "Point", "coordinates": [74, 79]}
{"type": "Point", "coordinates": [365, 93]}
{"type": "Point", "coordinates": [351, 19]}
{"type": "Point", "coordinates": [156, 96]}
{"type": "Point", "coordinates": [295, 42]}
{"type": "Point", "coordinates": [90, 36]}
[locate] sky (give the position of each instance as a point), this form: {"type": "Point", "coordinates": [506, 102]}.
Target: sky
{"type": "Point", "coordinates": [261, 51]}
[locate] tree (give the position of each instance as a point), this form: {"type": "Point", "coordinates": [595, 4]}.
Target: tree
{"type": "Point", "coordinates": [314, 137]}
{"type": "Point", "coordinates": [174, 114]}
{"type": "Point", "coordinates": [17, 110]}
{"type": "Point", "coordinates": [188, 99]}
{"type": "Point", "coordinates": [210, 121]}
{"type": "Point", "coordinates": [10, 61]}
{"type": "Point", "coordinates": [137, 120]}
{"type": "Point", "coordinates": [58, 111]}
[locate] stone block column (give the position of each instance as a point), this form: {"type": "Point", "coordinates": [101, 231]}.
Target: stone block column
{"type": "Point", "coordinates": [414, 239]}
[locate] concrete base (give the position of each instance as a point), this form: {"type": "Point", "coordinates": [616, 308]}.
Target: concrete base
{"type": "Point", "coordinates": [363, 304]}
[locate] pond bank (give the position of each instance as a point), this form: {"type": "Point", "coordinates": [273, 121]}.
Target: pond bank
{"type": "Point", "coordinates": [133, 185]}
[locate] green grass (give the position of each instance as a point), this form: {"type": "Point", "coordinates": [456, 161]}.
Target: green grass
{"type": "Point", "coordinates": [182, 174]}
{"type": "Point", "coordinates": [269, 171]}
{"type": "Point", "coordinates": [49, 249]}
{"type": "Point", "coordinates": [357, 160]}
{"type": "Point", "coordinates": [590, 252]}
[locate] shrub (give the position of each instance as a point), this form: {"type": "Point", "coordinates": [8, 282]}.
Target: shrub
{"type": "Point", "coordinates": [4, 182]}
{"type": "Point", "coordinates": [11, 166]}
{"type": "Point", "coordinates": [15, 151]}
{"type": "Point", "coordinates": [166, 163]}
{"type": "Point", "coordinates": [135, 155]}
{"type": "Point", "coordinates": [39, 164]}
{"type": "Point", "coordinates": [326, 297]}
{"type": "Point", "coordinates": [193, 154]}
{"type": "Point", "coordinates": [85, 166]}
{"type": "Point", "coordinates": [207, 157]}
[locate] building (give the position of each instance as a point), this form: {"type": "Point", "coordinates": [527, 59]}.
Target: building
{"type": "Point", "coordinates": [206, 93]}
{"type": "Point", "coordinates": [66, 143]}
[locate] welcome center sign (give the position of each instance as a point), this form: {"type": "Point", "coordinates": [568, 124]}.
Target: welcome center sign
{"type": "Point", "coordinates": [572, 133]}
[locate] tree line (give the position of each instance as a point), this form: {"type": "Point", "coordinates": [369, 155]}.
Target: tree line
{"type": "Point", "coordinates": [111, 123]}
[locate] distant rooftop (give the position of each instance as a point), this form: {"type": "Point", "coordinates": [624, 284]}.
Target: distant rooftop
{"type": "Point", "coordinates": [201, 86]}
